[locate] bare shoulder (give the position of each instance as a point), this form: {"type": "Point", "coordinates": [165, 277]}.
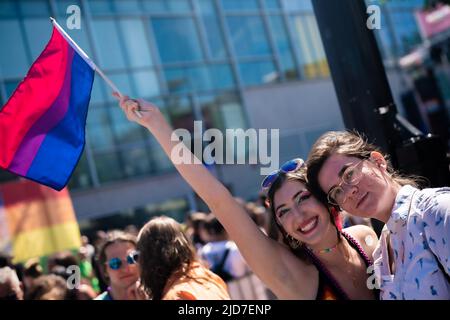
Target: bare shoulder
{"type": "Point", "coordinates": [366, 237]}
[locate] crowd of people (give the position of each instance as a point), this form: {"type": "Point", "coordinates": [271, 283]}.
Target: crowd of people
{"type": "Point", "coordinates": [190, 260]}
{"type": "Point", "coordinates": [309, 237]}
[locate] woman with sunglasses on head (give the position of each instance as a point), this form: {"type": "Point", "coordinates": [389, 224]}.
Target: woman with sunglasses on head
{"type": "Point", "coordinates": [321, 263]}
{"type": "Point", "coordinates": [118, 266]}
{"type": "Point", "coordinates": [412, 257]}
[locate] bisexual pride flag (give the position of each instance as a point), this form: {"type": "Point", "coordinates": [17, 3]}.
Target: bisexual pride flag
{"type": "Point", "coordinates": [42, 126]}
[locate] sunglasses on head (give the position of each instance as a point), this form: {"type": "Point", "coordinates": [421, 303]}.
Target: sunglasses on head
{"type": "Point", "coordinates": [116, 263]}
{"type": "Point", "coordinates": [289, 166]}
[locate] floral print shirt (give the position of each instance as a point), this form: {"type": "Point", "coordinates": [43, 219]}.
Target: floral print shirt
{"type": "Point", "coordinates": [419, 232]}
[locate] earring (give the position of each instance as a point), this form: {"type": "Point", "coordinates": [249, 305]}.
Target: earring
{"type": "Point", "coordinates": [293, 243]}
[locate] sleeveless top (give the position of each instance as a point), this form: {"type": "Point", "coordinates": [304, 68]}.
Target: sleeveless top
{"type": "Point", "coordinates": [329, 288]}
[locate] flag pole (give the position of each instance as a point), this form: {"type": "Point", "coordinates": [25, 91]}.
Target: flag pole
{"type": "Point", "coordinates": [88, 60]}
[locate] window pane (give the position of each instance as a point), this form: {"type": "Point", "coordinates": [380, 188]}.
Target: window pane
{"type": "Point", "coordinates": [186, 79]}
{"type": "Point", "coordinates": [99, 128]}
{"type": "Point", "coordinates": [221, 76]}
{"type": "Point", "coordinates": [136, 161]}
{"type": "Point", "coordinates": [177, 39]}
{"type": "Point", "coordinates": [253, 73]}
{"type": "Point", "coordinates": [199, 78]}
{"type": "Point", "coordinates": [135, 43]}
{"type": "Point", "coordinates": [239, 5]}
{"type": "Point", "coordinates": [125, 131]}
{"type": "Point", "coordinates": [309, 46]}
{"type": "Point", "coordinates": [160, 160]}
{"type": "Point", "coordinates": [212, 28]}
{"type": "Point", "coordinates": [8, 9]}
{"type": "Point", "coordinates": [108, 167]}
{"type": "Point", "coordinates": [406, 31]}
{"type": "Point", "coordinates": [97, 93]}
{"type": "Point", "coordinates": [128, 6]}
{"type": "Point", "coordinates": [173, 6]}
{"type": "Point", "coordinates": [181, 112]}
{"type": "Point", "coordinates": [38, 32]}
{"type": "Point", "coordinates": [272, 4]}
{"type": "Point", "coordinates": [81, 177]}
{"type": "Point", "coordinates": [146, 83]}
{"type": "Point", "coordinates": [13, 62]}
{"type": "Point", "coordinates": [34, 8]}
{"type": "Point", "coordinates": [283, 46]}
{"type": "Point", "coordinates": [100, 138]}
{"type": "Point", "coordinates": [291, 5]}
{"type": "Point", "coordinates": [122, 81]}
{"type": "Point", "coordinates": [100, 6]}
{"type": "Point", "coordinates": [62, 5]}
{"type": "Point", "coordinates": [108, 44]}
{"type": "Point", "coordinates": [248, 36]}
{"type": "Point", "coordinates": [222, 111]}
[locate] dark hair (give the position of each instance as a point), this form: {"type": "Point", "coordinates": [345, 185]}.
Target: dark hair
{"type": "Point", "coordinates": [213, 226]}
{"type": "Point", "coordinates": [164, 250]}
{"type": "Point", "coordinates": [348, 143]}
{"type": "Point", "coordinates": [51, 286]}
{"type": "Point", "coordinates": [32, 268]}
{"type": "Point", "coordinates": [300, 176]}
{"type": "Point", "coordinates": [111, 238]}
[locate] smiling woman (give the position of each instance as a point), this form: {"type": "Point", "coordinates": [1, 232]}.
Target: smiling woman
{"type": "Point", "coordinates": [317, 261]}
{"type": "Point", "coordinates": [348, 171]}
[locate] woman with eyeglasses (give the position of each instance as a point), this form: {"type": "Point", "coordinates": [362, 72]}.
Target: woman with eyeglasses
{"type": "Point", "coordinates": [118, 266]}
{"type": "Point", "coordinates": [317, 260]}
{"type": "Point", "coordinates": [412, 257]}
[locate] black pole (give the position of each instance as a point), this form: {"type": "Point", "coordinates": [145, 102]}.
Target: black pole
{"type": "Point", "coordinates": [357, 71]}
{"type": "Point", "coordinates": [364, 94]}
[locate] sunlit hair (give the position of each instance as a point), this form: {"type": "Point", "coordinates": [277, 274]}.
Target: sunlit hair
{"type": "Point", "coordinates": [164, 250]}
{"type": "Point", "coordinates": [300, 176]}
{"type": "Point", "coordinates": [350, 144]}
{"type": "Point", "coordinates": [111, 238]}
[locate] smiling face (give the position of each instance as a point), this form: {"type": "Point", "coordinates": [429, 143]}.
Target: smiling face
{"type": "Point", "coordinates": [127, 273]}
{"type": "Point", "coordinates": [372, 196]}
{"type": "Point", "coordinates": [300, 214]}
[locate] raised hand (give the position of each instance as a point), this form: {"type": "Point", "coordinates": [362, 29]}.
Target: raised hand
{"type": "Point", "coordinates": [150, 118]}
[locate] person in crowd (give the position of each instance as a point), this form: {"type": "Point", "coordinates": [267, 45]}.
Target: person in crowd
{"type": "Point", "coordinates": [169, 268]}
{"type": "Point", "coordinates": [32, 270]}
{"type": "Point", "coordinates": [119, 268]}
{"type": "Point", "coordinates": [48, 287]}
{"type": "Point", "coordinates": [10, 285]}
{"type": "Point", "coordinates": [318, 261]}
{"type": "Point", "coordinates": [222, 254]}
{"type": "Point", "coordinates": [412, 257]}
{"type": "Point", "coordinates": [195, 224]}
{"type": "Point", "coordinates": [225, 260]}
{"type": "Point", "coordinates": [88, 276]}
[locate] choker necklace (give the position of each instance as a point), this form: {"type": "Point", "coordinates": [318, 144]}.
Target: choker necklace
{"type": "Point", "coordinates": [326, 250]}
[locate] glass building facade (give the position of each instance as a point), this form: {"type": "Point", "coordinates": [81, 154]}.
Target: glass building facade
{"type": "Point", "coordinates": [192, 58]}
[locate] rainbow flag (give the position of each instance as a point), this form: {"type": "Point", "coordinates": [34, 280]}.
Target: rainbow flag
{"type": "Point", "coordinates": [36, 220]}
{"type": "Point", "coordinates": [42, 126]}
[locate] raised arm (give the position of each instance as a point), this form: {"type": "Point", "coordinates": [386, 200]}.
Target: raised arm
{"type": "Point", "coordinates": [285, 274]}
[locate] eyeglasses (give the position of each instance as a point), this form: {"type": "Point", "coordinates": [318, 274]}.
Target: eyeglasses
{"type": "Point", "coordinates": [116, 263]}
{"type": "Point", "coordinates": [289, 166]}
{"type": "Point", "coordinates": [351, 177]}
